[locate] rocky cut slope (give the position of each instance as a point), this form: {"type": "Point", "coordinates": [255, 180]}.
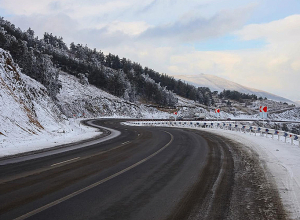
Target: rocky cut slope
{"type": "Point", "coordinates": [26, 109]}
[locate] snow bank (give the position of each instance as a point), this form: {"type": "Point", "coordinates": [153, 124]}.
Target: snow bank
{"type": "Point", "coordinates": [30, 120]}
{"type": "Point", "coordinates": [282, 160]}
{"type": "Point", "coordinates": [75, 132]}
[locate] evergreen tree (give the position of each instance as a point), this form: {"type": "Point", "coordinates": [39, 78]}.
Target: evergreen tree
{"type": "Point", "coordinates": [43, 59]}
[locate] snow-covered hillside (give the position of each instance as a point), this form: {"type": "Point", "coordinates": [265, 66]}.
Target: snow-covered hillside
{"type": "Point", "coordinates": [25, 108]}
{"type": "Point", "coordinates": [31, 120]}
{"type": "Point", "coordinates": [216, 83]}
{"type": "Point", "coordinates": [87, 100]}
{"type": "Point", "coordinates": [292, 115]}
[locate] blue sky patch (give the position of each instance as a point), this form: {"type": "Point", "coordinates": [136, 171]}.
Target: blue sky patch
{"type": "Point", "coordinates": [270, 10]}
{"type": "Point", "coordinates": [228, 43]}
{"type": "Point", "coordinates": [4, 14]}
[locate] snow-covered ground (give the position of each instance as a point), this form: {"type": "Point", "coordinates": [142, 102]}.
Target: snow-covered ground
{"type": "Point", "coordinates": [282, 163]}
{"type": "Point", "coordinates": [76, 132]}
{"type": "Point", "coordinates": [30, 120]}
{"type": "Point", "coordinates": [280, 160]}
{"type": "Point", "coordinates": [78, 99]}
{"type": "Point", "coordinates": [289, 115]}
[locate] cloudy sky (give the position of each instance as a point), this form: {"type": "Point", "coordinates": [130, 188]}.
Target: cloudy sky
{"type": "Point", "coordinates": [254, 43]}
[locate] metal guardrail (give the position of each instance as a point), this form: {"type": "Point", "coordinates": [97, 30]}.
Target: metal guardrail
{"type": "Point", "coordinates": [223, 125]}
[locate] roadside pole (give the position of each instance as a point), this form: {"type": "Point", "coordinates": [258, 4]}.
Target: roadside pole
{"type": "Point", "coordinates": [263, 113]}
{"type": "Point", "coordinates": [263, 122]}
{"type": "Point", "coordinates": [217, 112]}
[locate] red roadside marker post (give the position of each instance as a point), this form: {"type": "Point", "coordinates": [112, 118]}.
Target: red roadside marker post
{"type": "Point", "coordinates": [217, 113]}
{"type": "Point", "coordinates": [263, 113]}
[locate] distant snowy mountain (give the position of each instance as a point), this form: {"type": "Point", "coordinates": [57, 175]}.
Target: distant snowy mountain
{"type": "Point", "coordinates": [216, 83]}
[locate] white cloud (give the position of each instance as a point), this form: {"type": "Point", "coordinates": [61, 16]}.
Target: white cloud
{"type": "Point", "coordinates": [196, 28]}
{"type": "Point", "coordinates": [274, 32]}
{"type": "Point", "coordinates": [155, 33]}
{"type": "Point", "coordinates": [70, 7]}
{"type": "Point", "coordinates": [274, 68]}
{"type": "Point", "coordinates": [129, 28]}
{"type": "Point", "coordinates": [25, 7]}
{"type": "Point", "coordinates": [58, 24]}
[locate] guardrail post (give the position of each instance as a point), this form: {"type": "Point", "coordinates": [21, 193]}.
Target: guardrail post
{"type": "Point", "coordinates": [296, 138]}
{"type": "Point", "coordinates": [285, 135]}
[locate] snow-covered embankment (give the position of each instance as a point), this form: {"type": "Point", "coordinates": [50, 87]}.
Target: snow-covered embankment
{"type": "Point", "coordinates": [30, 120]}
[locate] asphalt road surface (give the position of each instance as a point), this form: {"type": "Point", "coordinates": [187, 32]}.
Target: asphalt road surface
{"type": "Point", "coordinates": [143, 173]}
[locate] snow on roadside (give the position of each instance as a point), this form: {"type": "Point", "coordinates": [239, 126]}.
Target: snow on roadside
{"type": "Point", "coordinates": [74, 132]}
{"type": "Point", "coordinates": [282, 161]}
{"type": "Point", "coordinates": [30, 120]}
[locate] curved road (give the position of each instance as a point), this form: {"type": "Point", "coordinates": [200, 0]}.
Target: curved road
{"type": "Point", "coordinates": [142, 173]}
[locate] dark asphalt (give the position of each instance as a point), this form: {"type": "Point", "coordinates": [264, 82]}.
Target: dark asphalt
{"type": "Point", "coordinates": [144, 173]}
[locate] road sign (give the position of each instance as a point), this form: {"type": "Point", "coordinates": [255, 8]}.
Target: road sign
{"type": "Point", "coordinates": [217, 112]}
{"type": "Point", "coordinates": [265, 109]}
{"type": "Point", "coordinates": [263, 112]}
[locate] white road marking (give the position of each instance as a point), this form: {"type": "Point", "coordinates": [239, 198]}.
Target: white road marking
{"type": "Point", "coordinates": [114, 133]}
{"type": "Point", "coordinates": [38, 210]}
{"type": "Point", "coordinates": [45, 169]}
{"type": "Point", "coordinates": [126, 142]}
{"type": "Point", "coordinates": [65, 161]}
